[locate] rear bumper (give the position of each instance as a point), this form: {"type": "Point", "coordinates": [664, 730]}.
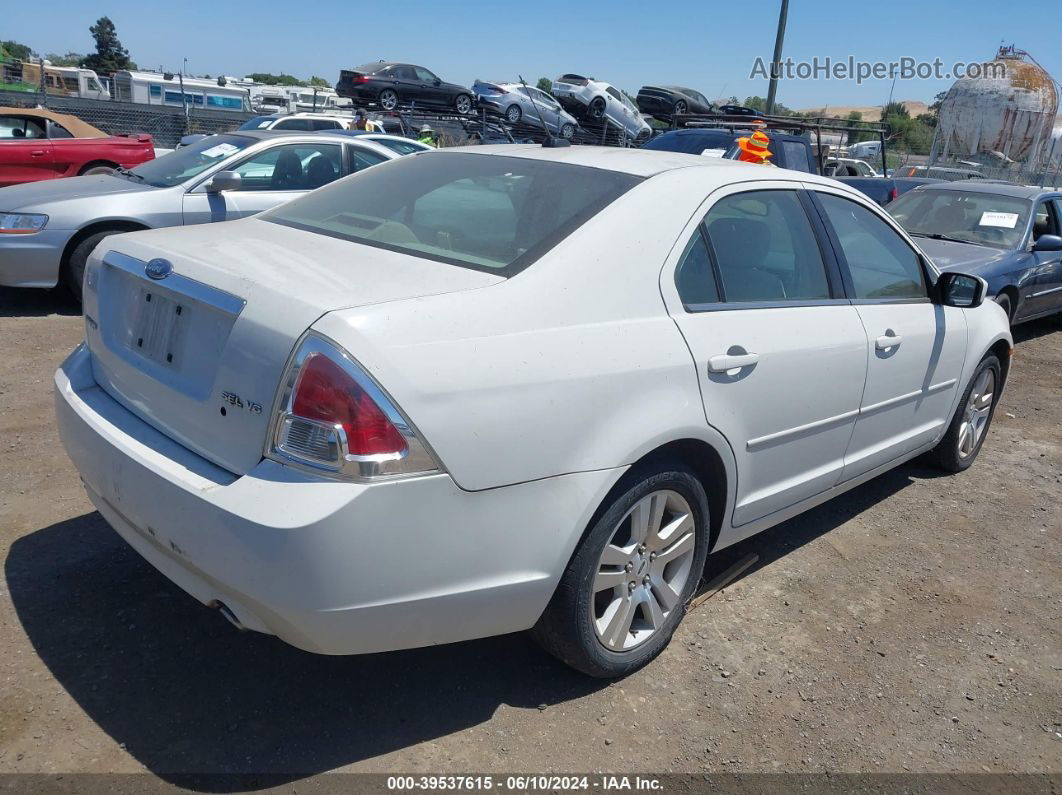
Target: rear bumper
{"type": "Point", "coordinates": [32, 260]}
{"type": "Point", "coordinates": [334, 568]}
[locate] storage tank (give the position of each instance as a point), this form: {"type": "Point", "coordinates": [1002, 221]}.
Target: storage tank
{"type": "Point", "coordinates": [1010, 110]}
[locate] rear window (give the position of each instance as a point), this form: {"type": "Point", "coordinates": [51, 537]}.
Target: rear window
{"type": "Point", "coordinates": [258, 122]}
{"type": "Point", "coordinates": [715, 141]}
{"type": "Point", "coordinates": [485, 212]}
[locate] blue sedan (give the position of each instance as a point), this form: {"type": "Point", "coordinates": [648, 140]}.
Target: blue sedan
{"type": "Point", "coordinates": [1009, 235]}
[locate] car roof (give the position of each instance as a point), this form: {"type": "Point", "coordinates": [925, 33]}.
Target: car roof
{"type": "Point", "coordinates": [304, 114]}
{"type": "Point", "coordinates": [640, 162]}
{"type": "Point", "coordinates": [997, 188]}
{"type": "Point", "coordinates": [73, 124]}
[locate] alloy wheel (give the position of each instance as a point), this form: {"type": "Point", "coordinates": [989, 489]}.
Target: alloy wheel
{"type": "Point", "coordinates": [680, 108]}
{"type": "Point", "coordinates": [976, 414]}
{"type": "Point", "coordinates": [643, 570]}
{"type": "Point", "coordinates": [464, 104]}
{"type": "Point", "coordinates": [388, 99]}
{"type": "Point", "coordinates": [513, 114]}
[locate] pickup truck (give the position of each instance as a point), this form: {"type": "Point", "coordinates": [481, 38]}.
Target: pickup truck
{"type": "Point", "coordinates": [789, 151]}
{"type": "Point", "coordinates": [37, 144]}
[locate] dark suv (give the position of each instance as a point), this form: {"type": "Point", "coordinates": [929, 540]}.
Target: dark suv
{"type": "Point", "coordinates": [390, 84]}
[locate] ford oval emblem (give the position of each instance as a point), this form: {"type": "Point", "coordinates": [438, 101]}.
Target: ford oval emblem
{"type": "Point", "coordinates": [158, 268]}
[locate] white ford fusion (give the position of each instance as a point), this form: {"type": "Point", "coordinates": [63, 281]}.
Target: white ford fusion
{"type": "Point", "coordinates": [476, 391]}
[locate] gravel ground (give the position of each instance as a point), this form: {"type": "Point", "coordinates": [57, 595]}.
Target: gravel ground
{"type": "Point", "coordinates": [910, 625]}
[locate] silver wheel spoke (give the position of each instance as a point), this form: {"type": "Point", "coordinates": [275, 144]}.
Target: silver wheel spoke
{"type": "Point", "coordinates": [614, 556]}
{"type": "Point", "coordinates": [656, 615]}
{"type": "Point", "coordinates": [618, 626]}
{"type": "Point", "coordinates": [672, 531]}
{"type": "Point", "coordinates": [665, 593]}
{"type": "Point", "coordinates": [677, 550]}
{"type": "Point", "coordinates": [609, 579]}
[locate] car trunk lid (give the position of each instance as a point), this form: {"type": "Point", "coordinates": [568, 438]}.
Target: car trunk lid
{"type": "Point", "coordinates": [199, 352]}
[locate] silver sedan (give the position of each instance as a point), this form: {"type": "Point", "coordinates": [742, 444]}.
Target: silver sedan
{"type": "Point", "coordinates": [49, 228]}
{"type": "Point", "coordinates": [520, 104]}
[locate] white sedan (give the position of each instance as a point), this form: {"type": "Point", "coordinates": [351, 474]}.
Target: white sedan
{"type": "Point", "coordinates": [469, 392]}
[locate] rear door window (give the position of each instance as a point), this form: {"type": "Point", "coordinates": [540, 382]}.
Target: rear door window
{"type": "Point", "coordinates": [765, 248]}
{"type": "Point", "coordinates": [291, 168]}
{"type": "Point", "coordinates": [881, 263]}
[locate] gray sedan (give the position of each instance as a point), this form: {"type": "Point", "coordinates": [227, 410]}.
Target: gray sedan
{"type": "Point", "coordinates": [48, 228]}
{"type": "Point", "coordinates": [518, 103]}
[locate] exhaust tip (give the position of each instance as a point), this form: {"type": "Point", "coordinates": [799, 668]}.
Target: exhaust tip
{"type": "Point", "coordinates": [227, 612]}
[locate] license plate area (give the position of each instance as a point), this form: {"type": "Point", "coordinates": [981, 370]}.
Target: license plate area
{"type": "Point", "coordinates": [158, 328]}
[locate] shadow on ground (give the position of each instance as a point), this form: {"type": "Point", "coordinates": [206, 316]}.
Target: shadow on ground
{"type": "Point", "coordinates": [15, 302]}
{"type": "Point", "coordinates": [192, 698]}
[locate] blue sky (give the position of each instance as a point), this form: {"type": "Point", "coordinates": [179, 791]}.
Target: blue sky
{"type": "Point", "coordinates": [710, 46]}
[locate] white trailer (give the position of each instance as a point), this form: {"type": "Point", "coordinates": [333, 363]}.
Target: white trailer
{"type": "Point", "coordinates": [164, 88]}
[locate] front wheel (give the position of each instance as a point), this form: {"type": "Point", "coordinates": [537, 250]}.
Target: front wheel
{"type": "Point", "coordinates": [88, 172]}
{"type": "Point", "coordinates": [74, 272]}
{"type": "Point", "coordinates": [568, 131]}
{"type": "Point", "coordinates": [513, 114]}
{"type": "Point", "coordinates": [463, 104]}
{"type": "Point", "coordinates": [969, 427]}
{"type": "Point", "coordinates": [388, 99]}
{"type": "Point", "coordinates": [627, 585]}
{"type": "Point", "coordinates": [681, 107]}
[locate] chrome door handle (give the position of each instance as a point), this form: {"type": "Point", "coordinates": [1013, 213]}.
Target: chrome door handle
{"type": "Point", "coordinates": [726, 361]}
{"type": "Point", "coordinates": [888, 341]}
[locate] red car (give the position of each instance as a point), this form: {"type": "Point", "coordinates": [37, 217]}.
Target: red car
{"type": "Point", "coordinates": [38, 144]}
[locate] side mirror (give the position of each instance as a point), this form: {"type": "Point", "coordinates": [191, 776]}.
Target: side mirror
{"type": "Point", "coordinates": [224, 180]}
{"type": "Point", "coordinates": [437, 81]}
{"type": "Point", "coordinates": [1048, 243]}
{"type": "Point", "coordinates": [961, 290]}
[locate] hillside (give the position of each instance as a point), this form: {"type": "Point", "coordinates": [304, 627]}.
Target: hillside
{"type": "Point", "coordinates": [870, 112]}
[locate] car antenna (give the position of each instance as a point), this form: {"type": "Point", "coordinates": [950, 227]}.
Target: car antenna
{"type": "Point", "coordinates": [550, 142]}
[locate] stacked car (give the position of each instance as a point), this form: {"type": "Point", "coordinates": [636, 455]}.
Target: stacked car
{"type": "Point", "coordinates": [599, 103]}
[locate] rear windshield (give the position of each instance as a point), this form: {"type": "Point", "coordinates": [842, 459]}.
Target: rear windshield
{"type": "Point", "coordinates": [716, 141]}
{"type": "Point", "coordinates": [485, 212]}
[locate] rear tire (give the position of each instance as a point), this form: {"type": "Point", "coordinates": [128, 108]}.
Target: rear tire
{"type": "Point", "coordinates": [625, 592]}
{"type": "Point", "coordinates": [596, 109]}
{"type": "Point", "coordinates": [513, 114]}
{"type": "Point", "coordinates": [74, 272]}
{"type": "Point", "coordinates": [97, 169]}
{"type": "Point", "coordinates": [680, 108]}
{"type": "Point", "coordinates": [388, 99]}
{"type": "Point", "coordinates": [969, 427]}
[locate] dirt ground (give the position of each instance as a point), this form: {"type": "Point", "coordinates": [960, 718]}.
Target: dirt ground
{"type": "Point", "coordinates": [914, 624]}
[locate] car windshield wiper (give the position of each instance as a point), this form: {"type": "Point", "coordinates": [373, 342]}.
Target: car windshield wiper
{"type": "Point", "coordinates": [937, 236]}
{"type": "Point", "coordinates": [125, 172]}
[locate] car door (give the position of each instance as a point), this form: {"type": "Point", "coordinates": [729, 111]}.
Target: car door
{"type": "Point", "coordinates": [430, 87]}
{"type": "Point", "coordinates": [1043, 292]}
{"type": "Point", "coordinates": [269, 177]}
{"type": "Point", "coordinates": [915, 348]}
{"type": "Point", "coordinates": [780, 353]}
{"type": "Point", "coordinates": [26, 154]}
{"type": "Point", "coordinates": [548, 107]}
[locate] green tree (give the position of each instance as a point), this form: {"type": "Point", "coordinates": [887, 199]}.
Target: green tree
{"type": "Point", "coordinates": [16, 50]}
{"type": "Point", "coordinates": [545, 84]}
{"type": "Point", "coordinates": [319, 81]}
{"type": "Point", "coordinates": [897, 109]}
{"type": "Point", "coordinates": [269, 79]}
{"type": "Point", "coordinates": [110, 55]}
{"type": "Point", "coordinates": [938, 100]}
{"type": "Point", "coordinates": [70, 59]}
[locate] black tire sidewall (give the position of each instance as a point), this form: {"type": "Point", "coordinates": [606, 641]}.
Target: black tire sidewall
{"type": "Point", "coordinates": [509, 112]}
{"type": "Point", "coordinates": [947, 453]}
{"type": "Point", "coordinates": [74, 274]}
{"type": "Point", "coordinates": [388, 92]}
{"type": "Point", "coordinates": [566, 629]}
{"type": "Point", "coordinates": [457, 104]}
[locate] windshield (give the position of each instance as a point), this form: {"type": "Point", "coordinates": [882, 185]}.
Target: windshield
{"type": "Point", "coordinates": [190, 161]}
{"type": "Point", "coordinates": [258, 122]}
{"type": "Point", "coordinates": [985, 219]}
{"type": "Point", "coordinates": [485, 212]}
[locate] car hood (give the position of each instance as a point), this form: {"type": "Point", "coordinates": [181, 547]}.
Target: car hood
{"type": "Point", "coordinates": [49, 191]}
{"type": "Point", "coordinates": [965, 257]}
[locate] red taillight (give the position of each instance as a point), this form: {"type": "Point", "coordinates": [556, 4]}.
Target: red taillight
{"type": "Point", "coordinates": [361, 79]}
{"type": "Point", "coordinates": [326, 393]}
{"type": "Point", "coordinates": [893, 194]}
